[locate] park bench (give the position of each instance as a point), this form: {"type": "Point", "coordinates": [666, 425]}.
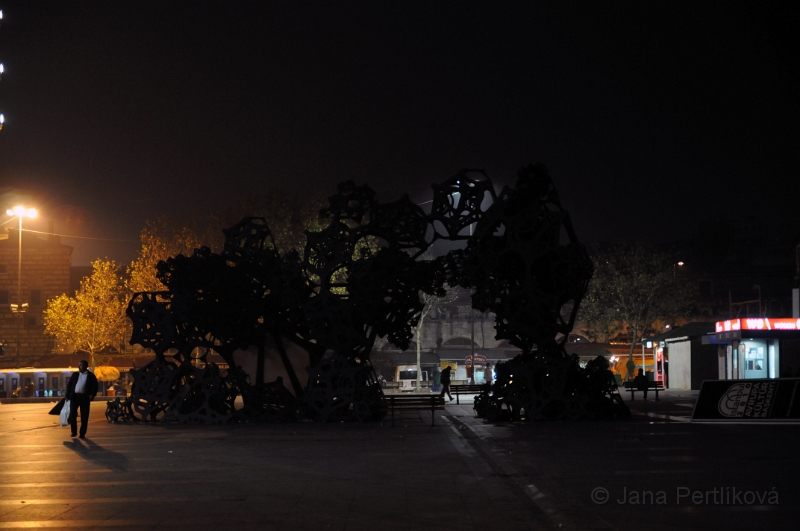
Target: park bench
{"type": "Point", "coordinates": [651, 386]}
{"type": "Point", "coordinates": [398, 403]}
{"type": "Point", "coordinates": [466, 389]}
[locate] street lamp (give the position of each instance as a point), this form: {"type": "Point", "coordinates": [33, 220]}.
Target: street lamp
{"type": "Point", "coordinates": [20, 212]}
{"type": "Point", "coordinates": [675, 268]}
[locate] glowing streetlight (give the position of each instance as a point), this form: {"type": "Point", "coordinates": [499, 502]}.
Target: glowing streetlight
{"type": "Point", "coordinates": [20, 212]}
{"type": "Point", "coordinates": [2, 121]}
{"type": "Point", "coordinates": [675, 267]}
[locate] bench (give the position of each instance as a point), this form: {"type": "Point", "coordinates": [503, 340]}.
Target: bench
{"type": "Point", "coordinates": [651, 386]}
{"type": "Point", "coordinates": [412, 403]}
{"type": "Point", "coordinates": [466, 389]}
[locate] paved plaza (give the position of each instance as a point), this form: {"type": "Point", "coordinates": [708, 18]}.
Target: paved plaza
{"type": "Point", "coordinates": [462, 474]}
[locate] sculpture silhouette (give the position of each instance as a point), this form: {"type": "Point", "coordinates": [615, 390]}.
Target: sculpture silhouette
{"type": "Point", "coordinates": [358, 279]}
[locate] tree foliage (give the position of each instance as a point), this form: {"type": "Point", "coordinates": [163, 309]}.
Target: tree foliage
{"type": "Point", "coordinates": [633, 287]}
{"type": "Point", "coordinates": [289, 214]}
{"type": "Point", "coordinates": [161, 238]}
{"type": "Point", "coordinates": [94, 318]}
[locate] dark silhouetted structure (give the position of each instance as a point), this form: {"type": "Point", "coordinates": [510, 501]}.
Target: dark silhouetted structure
{"type": "Point", "coordinates": [359, 279]}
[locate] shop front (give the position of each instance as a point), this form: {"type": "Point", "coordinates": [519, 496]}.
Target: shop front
{"type": "Point", "coordinates": [31, 382]}
{"type": "Point", "coordinates": [757, 348]}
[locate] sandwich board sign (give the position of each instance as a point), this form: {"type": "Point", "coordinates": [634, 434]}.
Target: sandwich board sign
{"type": "Point", "coordinates": [746, 401]}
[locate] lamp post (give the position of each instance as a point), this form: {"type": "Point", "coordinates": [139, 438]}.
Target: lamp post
{"type": "Point", "coordinates": [20, 212]}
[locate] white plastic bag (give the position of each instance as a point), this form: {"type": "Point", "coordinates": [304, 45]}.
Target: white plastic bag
{"type": "Point", "coordinates": [64, 415]}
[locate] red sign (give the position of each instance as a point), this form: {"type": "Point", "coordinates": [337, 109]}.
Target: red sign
{"type": "Point", "coordinates": [478, 359]}
{"type": "Point", "coordinates": [758, 323]}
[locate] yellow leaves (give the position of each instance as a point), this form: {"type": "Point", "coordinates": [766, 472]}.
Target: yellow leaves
{"type": "Point", "coordinates": [95, 317]}
{"type": "Point", "coordinates": [161, 238]}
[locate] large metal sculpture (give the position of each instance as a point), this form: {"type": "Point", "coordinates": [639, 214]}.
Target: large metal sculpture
{"type": "Point", "coordinates": [359, 279]}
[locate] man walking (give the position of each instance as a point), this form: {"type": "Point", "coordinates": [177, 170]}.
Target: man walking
{"type": "Point", "coordinates": [445, 379]}
{"type": "Point", "coordinates": [81, 390]}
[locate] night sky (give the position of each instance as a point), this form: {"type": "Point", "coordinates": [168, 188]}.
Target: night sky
{"type": "Point", "coordinates": [653, 117]}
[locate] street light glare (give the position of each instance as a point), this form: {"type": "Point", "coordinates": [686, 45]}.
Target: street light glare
{"type": "Point", "coordinates": [22, 212]}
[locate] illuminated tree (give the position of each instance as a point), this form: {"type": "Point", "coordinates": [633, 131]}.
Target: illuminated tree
{"type": "Point", "coordinates": [161, 238]}
{"type": "Point", "coordinates": [632, 288]}
{"type": "Point", "coordinates": [94, 318]}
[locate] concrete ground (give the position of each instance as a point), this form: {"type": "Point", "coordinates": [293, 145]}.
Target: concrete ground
{"type": "Point", "coordinates": [462, 474]}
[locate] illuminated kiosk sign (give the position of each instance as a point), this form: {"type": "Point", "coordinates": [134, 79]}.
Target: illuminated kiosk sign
{"type": "Point", "coordinates": [478, 359]}
{"type": "Point", "coordinates": [758, 323]}
{"type": "Point", "coordinates": [773, 400]}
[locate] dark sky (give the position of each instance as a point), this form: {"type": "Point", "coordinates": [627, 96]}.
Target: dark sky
{"type": "Point", "coordinates": [652, 116]}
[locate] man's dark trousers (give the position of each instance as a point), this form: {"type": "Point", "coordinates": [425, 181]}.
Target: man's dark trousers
{"type": "Point", "coordinates": [79, 400]}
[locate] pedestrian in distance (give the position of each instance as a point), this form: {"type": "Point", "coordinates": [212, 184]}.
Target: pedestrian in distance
{"type": "Point", "coordinates": [641, 383]}
{"type": "Point", "coordinates": [444, 377]}
{"type": "Point", "coordinates": [81, 389]}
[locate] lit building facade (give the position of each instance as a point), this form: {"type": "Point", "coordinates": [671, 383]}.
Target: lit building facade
{"type": "Point", "coordinates": [45, 275]}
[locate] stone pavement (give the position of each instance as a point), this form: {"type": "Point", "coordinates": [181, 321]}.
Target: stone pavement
{"type": "Point", "coordinates": [289, 477]}
{"type": "Point", "coordinates": [462, 474]}
{"type": "Point", "coordinates": [655, 472]}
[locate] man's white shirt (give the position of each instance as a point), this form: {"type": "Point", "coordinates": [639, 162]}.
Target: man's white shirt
{"type": "Point", "coordinates": [80, 387]}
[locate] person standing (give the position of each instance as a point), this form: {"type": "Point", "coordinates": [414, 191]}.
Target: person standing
{"type": "Point", "coordinates": [444, 377]}
{"type": "Point", "coordinates": [81, 390]}
{"type": "Point", "coordinates": [487, 374]}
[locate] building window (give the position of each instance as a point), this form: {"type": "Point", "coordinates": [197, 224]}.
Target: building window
{"type": "Point", "coordinates": [55, 382]}
{"type": "Point", "coordinates": [36, 296]}
{"type": "Point", "coordinates": [31, 321]}
{"type": "Point", "coordinates": [4, 296]}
